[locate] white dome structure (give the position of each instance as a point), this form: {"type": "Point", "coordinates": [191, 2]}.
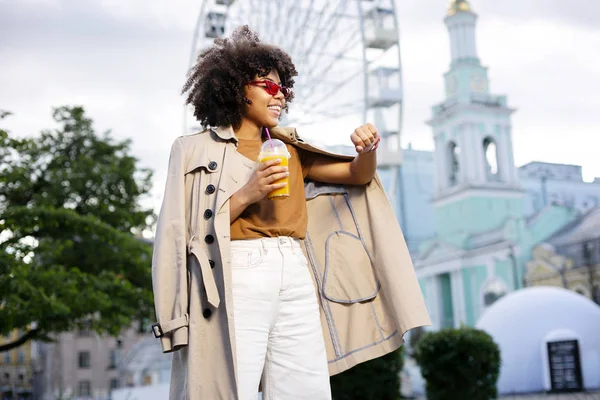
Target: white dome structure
{"type": "Point", "coordinates": [523, 322]}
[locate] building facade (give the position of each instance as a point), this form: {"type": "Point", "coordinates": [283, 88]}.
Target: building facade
{"type": "Point", "coordinates": [18, 369]}
{"type": "Point", "coordinates": [548, 183]}
{"type": "Point", "coordinates": [411, 191]}
{"type": "Point", "coordinates": [83, 365]}
{"type": "Point", "coordinates": [570, 258]}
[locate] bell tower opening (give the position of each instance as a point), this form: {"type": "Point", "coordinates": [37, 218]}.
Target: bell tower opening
{"type": "Point", "coordinates": [453, 164]}
{"type": "Point", "coordinates": [491, 159]}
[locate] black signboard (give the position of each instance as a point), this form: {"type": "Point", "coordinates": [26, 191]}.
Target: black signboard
{"type": "Point", "coordinates": [565, 366]}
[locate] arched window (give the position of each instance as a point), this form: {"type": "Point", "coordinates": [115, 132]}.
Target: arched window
{"type": "Point", "coordinates": [596, 294]}
{"type": "Point", "coordinates": [453, 163]}
{"type": "Point", "coordinates": [579, 289]}
{"type": "Point", "coordinates": [494, 290]}
{"type": "Point", "coordinates": [491, 159]}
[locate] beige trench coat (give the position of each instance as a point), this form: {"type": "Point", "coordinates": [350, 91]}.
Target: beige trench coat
{"type": "Point", "coordinates": [363, 274]}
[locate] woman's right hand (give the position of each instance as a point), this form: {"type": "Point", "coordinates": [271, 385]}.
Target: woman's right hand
{"type": "Point", "coordinates": [262, 181]}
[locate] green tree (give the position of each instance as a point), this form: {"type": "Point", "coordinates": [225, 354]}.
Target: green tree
{"type": "Point", "coordinates": [459, 364]}
{"type": "Point", "coordinates": [70, 222]}
{"type": "Point", "coordinates": [377, 379]}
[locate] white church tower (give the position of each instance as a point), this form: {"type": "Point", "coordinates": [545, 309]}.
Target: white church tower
{"type": "Point", "coordinates": [476, 173]}
{"type": "Point", "coordinates": [479, 205]}
{"type": "Point", "coordinates": [483, 239]}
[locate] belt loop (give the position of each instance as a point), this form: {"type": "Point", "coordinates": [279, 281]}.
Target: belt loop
{"type": "Point", "coordinates": [264, 246]}
{"type": "Point", "coordinates": [278, 241]}
{"type": "Point", "coordinates": [189, 246]}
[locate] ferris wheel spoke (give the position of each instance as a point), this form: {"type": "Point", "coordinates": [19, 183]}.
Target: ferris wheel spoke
{"type": "Point", "coordinates": [320, 26]}
{"type": "Point", "coordinates": [266, 12]}
{"type": "Point", "coordinates": [280, 5]}
{"type": "Point", "coordinates": [241, 11]}
{"type": "Point", "coordinates": [254, 16]}
{"type": "Point", "coordinates": [330, 26]}
{"type": "Point", "coordinates": [315, 118]}
{"type": "Point", "coordinates": [295, 31]}
{"type": "Point", "coordinates": [298, 27]}
{"type": "Point", "coordinates": [336, 87]}
{"type": "Point", "coordinates": [352, 107]}
{"type": "Point", "coordinates": [322, 73]}
{"type": "Point", "coordinates": [292, 14]}
{"type": "Point", "coordinates": [343, 109]}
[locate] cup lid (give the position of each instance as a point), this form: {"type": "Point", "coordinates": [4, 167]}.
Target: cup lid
{"type": "Point", "coordinates": [274, 147]}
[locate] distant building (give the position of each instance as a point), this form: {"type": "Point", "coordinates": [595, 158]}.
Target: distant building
{"type": "Point", "coordinates": [410, 188]}
{"type": "Point", "coordinates": [570, 258]}
{"type": "Point", "coordinates": [145, 372]}
{"type": "Point", "coordinates": [558, 184]}
{"type": "Point", "coordinates": [145, 364]}
{"type": "Point", "coordinates": [83, 365]}
{"type": "Point", "coordinates": [18, 368]}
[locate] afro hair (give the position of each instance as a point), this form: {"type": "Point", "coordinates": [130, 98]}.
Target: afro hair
{"type": "Point", "coordinates": [215, 84]}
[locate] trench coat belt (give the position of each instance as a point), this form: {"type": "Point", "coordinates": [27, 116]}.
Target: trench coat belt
{"type": "Point", "coordinates": [208, 279]}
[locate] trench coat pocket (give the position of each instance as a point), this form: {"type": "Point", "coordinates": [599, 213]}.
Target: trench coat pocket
{"type": "Point", "coordinates": [208, 280]}
{"type": "Point", "coordinates": [349, 276]}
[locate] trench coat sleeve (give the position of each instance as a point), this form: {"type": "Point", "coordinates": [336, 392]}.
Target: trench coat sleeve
{"type": "Point", "coordinates": [169, 269]}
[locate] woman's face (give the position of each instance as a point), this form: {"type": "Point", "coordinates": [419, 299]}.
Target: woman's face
{"type": "Point", "coordinates": [265, 109]}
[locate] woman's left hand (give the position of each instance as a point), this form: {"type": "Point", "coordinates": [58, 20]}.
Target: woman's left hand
{"type": "Point", "coordinates": [365, 138]}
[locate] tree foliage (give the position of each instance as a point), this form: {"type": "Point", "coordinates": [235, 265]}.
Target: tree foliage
{"type": "Point", "coordinates": [70, 219]}
{"type": "Point", "coordinates": [459, 364]}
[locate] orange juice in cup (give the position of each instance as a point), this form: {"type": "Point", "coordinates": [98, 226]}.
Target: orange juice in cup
{"type": "Point", "coordinates": [276, 149]}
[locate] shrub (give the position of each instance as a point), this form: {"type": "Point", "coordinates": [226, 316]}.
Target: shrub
{"type": "Point", "coordinates": [459, 364]}
{"type": "Point", "coordinates": [378, 379]}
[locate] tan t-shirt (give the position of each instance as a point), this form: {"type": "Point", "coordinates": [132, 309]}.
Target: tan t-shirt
{"type": "Point", "coordinates": [281, 217]}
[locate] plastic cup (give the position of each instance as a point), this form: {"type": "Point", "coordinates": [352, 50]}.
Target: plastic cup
{"type": "Point", "coordinates": [276, 149]}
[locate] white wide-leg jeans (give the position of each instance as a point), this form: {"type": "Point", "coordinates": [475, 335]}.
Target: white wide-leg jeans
{"type": "Point", "coordinates": [277, 325]}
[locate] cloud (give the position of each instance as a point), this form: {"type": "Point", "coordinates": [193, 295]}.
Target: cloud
{"type": "Point", "coordinates": [575, 13]}
{"type": "Point", "coordinates": [127, 71]}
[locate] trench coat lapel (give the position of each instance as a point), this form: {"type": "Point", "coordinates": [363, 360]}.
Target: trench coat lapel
{"type": "Point", "coordinates": [237, 170]}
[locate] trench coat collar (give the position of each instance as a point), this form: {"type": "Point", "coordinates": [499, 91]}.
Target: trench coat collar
{"type": "Point", "coordinates": [224, 132]}
{"type": "Point", "coordinates": [289, 135]}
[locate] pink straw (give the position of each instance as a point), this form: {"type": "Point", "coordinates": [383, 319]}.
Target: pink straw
{"type": "Point", "coordinates": [269, 136]}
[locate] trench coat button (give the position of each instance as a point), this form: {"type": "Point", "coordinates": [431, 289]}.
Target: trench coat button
{"type": "Point", "coordinates": [210, 189]}
{"type": "Point", "coordinates": [207, 313]}
{"type": "Point", "coordinates": [208, 214]}
{"type": "Point", "coordinates": [212, 165]}
{"type": "Point", "coordinates": [211, 263]}
{"type": "Point", "coordinates": [209, 239]}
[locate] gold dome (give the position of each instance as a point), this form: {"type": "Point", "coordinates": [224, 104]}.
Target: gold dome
{"type": "Point", "coordinates": [457, 6]}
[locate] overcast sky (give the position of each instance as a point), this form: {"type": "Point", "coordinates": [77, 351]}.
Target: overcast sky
{"type": "Point", "coordinates": [125, 62]}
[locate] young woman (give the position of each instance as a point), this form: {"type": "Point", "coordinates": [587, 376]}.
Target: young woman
{"type": "Point", "coordinates": [235, 298]}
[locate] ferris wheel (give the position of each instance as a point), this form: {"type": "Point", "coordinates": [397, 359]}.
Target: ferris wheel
{"type": "Point", "coordinates": [347, 54]}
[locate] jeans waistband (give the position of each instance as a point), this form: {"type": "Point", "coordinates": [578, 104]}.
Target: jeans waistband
{"type": "Point", "coordinates": [274, 242]}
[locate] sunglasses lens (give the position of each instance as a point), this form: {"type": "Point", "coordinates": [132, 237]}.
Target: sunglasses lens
{"type": "Point", "coordinates": [271, 88]}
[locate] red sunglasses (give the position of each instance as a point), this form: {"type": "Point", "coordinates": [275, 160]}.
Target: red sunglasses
{"type": "Point", "coordinates": [272, 88]}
